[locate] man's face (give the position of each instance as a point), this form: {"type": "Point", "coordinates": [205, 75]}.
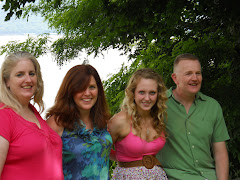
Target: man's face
{"type": "Point", "coordinates": [188, 77]}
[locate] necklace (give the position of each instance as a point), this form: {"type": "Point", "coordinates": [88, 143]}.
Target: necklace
{"type": "Point", "coordinates": [147, 124]}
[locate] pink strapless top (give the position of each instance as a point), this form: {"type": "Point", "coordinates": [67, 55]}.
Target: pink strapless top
{"type": "Point", "coordinates": [133, 148]}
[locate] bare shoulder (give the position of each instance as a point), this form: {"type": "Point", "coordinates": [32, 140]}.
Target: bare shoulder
{"type": "Point", "coordinates": [121, 117]}
{"type": "Point", "coordinates": [52, 123]}
{"type": "Point", "coordinates": [119, 125]}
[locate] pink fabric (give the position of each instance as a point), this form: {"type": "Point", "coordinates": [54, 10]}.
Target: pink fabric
{"type": "Point", "coordinates": [133, 148]}
{"type": "Point", "coordinates": [33, 153]}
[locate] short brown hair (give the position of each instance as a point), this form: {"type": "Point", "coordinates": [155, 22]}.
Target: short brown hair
{"type": "Point", "coordinates": [185, 56]}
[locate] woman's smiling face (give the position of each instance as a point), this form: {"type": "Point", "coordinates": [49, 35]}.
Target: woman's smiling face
{"type": "Point", "coordinates": [23, 80]}
{"type": "Point", "coordinates": [85, 100]}
{"type": "Point", "coordinates": [145, 94]}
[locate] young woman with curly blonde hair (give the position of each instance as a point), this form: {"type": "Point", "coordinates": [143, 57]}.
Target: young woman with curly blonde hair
{"type": "Point", "coordinates": [138, 131]}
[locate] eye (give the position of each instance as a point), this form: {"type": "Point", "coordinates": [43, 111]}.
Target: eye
{"type": "Point", "coordinates": [141, 92]}
{"type": "Point", "coordinates": [188, 74]}
{"type": "Point", "coordinates": [92, 87]}
{"type": "Point", "coordinates": [19, 74]}
{"type": "Point", "coordinates": [32, 73]}
{"type": "Point", "coordinates": [198, 73]}
{"type": "Point", "coordinates": [152, 93]}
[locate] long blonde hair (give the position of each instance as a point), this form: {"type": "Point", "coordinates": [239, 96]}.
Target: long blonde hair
{"type": "Point", "coordinates": [6, 96]}
{"type": "Point", "coordinates": [158, 111]}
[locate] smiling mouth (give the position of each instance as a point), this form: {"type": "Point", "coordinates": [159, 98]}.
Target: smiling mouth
{"type": "Point", "coordinates": [146, 103]}
{"type": "Point", "coordinates": [86, 100]}
{"type": "Point", "coordinates": [27, 87]}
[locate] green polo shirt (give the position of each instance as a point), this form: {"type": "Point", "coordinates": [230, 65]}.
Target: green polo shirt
{"type": "Point", "coordinates": [187, 153]}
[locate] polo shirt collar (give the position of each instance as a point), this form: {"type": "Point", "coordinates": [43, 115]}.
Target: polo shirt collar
{"type": "Point", "coordinates": [199, 95]}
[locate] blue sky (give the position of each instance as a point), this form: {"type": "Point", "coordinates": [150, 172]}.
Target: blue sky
{"type": "Point", "coordinates": [35, 24]}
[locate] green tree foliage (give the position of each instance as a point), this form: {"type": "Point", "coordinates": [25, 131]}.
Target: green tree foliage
{"type": "Point", "coordinates": [37, 46]}
{"type": "Point", "coordinates": [154, 32]}
{"type": "Point", "coordinates": [15, 7]}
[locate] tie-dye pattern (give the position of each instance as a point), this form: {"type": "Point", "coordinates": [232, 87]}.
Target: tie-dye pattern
{"type": "Point", "coordinates": [86, 154]}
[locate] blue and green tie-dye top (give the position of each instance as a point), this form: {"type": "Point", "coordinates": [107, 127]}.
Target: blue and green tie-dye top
{"type": "Point", "coordinates": [86, 154]}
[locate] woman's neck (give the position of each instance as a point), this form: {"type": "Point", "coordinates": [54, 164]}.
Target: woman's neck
{"type": "Point", "coordinates": [86, 119]}
{"type": "Point", "coordinates": [144, 114]}
{"type": "Point", "coordinates": [24, 108]}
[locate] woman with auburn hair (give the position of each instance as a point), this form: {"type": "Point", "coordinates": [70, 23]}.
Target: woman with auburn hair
{"type": "Point", "coordinates": [80, 116]}
{"type": "Point", "coordinates": [138, 130]}
{"type": "Point", "coordinates": [29, 148]}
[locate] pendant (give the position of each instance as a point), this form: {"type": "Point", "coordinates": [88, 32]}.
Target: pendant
{"type": "Point", "coordinates": [147, 131]}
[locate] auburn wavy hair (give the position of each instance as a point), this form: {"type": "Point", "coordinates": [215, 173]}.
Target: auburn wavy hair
{"type": "Point", "coordinates": [158, 111]}
{"type": "Point", "coordinates": [65, 109]}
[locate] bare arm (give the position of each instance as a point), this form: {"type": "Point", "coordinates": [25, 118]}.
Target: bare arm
{"type": "Point", "coordinates": [113, 129]}
{"type": "Point", "coordinates": [114, 135]}
{"type": "Point", "coordinates": [3, 152]}
{"type": "Point", "coordinates": [57, 128]}
{"type": "Point", "coordinates": [221, 160]}
{"type": "Point", "coordinates": [113, 155]}
{"type": "Point", "coordinates": [119, 127]}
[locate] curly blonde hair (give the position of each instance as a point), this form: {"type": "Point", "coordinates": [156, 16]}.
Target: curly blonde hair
{"type": "Point", "coordinates": [158, 111]}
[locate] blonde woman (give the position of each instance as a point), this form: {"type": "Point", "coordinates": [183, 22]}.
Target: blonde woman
{"type": "Point", "coordinates": [138, 131]}
{"type": "Point", "coordinates": [29, 148]}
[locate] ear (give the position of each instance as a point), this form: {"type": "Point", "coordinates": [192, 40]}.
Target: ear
{"type": "Point", "coordinates": [174, 78]}
{"type": "Point", "coordinates": [7, 84]}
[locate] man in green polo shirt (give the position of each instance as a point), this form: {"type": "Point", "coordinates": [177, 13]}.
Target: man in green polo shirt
{"type": "Point", "coordinates": [195, 148]}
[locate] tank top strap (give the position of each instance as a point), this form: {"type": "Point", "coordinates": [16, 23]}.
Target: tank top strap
{"type": "Point", "coordinates": [131, 127]}
{"type": "Point", "coordinates": [131, 124]}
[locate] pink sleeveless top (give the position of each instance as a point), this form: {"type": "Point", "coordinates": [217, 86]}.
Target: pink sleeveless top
{"type": "Point", "coordinates": [133, 148]}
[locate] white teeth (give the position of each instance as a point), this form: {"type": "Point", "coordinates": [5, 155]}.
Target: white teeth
{"type": "Point", "coordinates": [26, 87]}
{"type": "Point", "coordinates": [86, 100]}
{"type": "Point", "coordinates": [146, 102]}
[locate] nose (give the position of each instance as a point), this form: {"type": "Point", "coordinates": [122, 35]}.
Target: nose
{"type": "Point", "coordinates": [87, 91]}
{"type": "Point", "coordinates": [194, 76]}
{"type": "Point", "coordinates": [28, 78]}
{"type": "Point", "coordinates": [146, 97]}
